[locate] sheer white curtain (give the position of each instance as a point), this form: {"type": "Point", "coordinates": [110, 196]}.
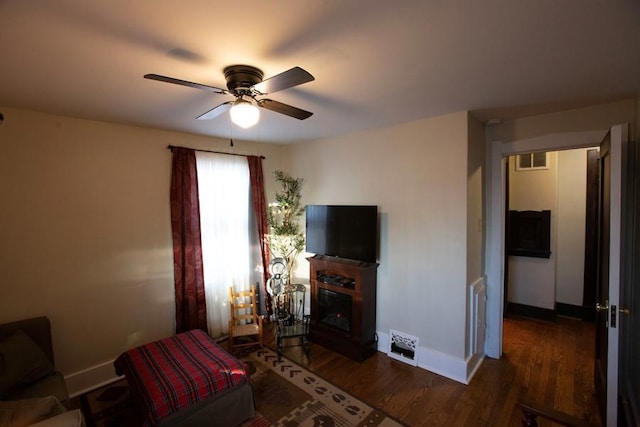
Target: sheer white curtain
{"type": "Point", "coordinates": [225, 213]}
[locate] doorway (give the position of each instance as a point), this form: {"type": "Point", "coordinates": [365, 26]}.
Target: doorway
{"type": "Point", "coordinates": [495, 250]}
{"type": "Point", "coordinates": [550, 234]}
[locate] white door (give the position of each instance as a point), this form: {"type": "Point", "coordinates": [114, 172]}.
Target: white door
{"type": "Point", "coordinates": [609, 274]}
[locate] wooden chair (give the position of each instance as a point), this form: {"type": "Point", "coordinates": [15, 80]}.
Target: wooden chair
{"type": "Point", "coordinates": [245, 325]}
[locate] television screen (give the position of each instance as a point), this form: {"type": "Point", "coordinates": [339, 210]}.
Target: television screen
{"type": "Point", "coordinates": [343, 231]}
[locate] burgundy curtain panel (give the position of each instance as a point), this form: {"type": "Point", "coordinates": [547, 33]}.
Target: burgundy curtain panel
{"type": "Point", "coordinates": [260, 206]}
{"type": "Point", "coordinates": [191, 310]}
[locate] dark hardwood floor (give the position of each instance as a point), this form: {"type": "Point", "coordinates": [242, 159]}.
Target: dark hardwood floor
{"type": "Point", "coordinates": [549, 363]}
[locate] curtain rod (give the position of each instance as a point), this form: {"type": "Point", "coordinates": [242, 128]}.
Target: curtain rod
{"type": "Point", "coordinates": [171, 147]}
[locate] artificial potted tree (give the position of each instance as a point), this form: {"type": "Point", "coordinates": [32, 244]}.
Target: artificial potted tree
{"type": "Point", "coordinates": [286, 239]}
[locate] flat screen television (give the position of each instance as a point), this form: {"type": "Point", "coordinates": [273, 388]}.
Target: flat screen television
{"type": "Point", "coordinates": [344, 231]}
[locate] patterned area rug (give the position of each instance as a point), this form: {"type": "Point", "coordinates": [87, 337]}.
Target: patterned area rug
{"type": "Point", "coordinates": [288, 395]}
{"type": "Point", "coordinates": [285, 393]}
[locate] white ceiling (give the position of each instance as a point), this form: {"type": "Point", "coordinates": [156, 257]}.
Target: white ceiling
{"type": "Point", "coordinates": [376, 62]}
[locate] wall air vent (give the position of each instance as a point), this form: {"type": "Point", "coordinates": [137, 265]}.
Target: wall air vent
{"type": "Point", "coordinates": [403, 347]}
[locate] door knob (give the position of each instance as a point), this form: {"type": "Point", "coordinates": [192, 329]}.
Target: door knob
{"type": "Point", "coordinates": [624, 311]}
{"type": "Point", "coordinates": [604, 307]}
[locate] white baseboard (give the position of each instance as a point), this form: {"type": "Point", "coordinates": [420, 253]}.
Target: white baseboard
{"type": "Point", "coordinates": [439, 363]}
{"type": "Point", "coordinates": [473, 364]}
{"type": "Point", "coordinates": [91, 378]}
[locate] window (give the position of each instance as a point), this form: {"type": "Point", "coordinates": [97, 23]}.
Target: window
{"type": "Point", "coordinates": [228, 233]}
{"type": "Point", "coordinates": [532, 161]}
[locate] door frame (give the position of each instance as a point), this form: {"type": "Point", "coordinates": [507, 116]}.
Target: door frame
{"type": "Point", "coordinates": [495, 193]}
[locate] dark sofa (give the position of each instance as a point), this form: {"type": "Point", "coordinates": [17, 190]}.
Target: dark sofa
{"type": "Point", "coordinates": [38, 377]}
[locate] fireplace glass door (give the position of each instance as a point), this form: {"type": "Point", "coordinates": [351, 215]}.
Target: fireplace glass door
{"type": "Point", "coordinates": [334, 309]}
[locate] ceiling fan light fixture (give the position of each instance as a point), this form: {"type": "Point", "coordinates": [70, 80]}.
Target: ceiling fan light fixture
{"type": "Point", "coordinates": [244, 113]}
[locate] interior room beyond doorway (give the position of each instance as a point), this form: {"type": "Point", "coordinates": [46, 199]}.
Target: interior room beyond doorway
{"type": "Point", "coordinates": [543, 285]}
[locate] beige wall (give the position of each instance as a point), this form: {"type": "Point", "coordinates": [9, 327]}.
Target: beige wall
{"type": "Point", "coordinates": [572, 202]}
{"type": "Point", "coordinates": [417, 175]}
{"type": "Point", "coordinates": [85, 229]}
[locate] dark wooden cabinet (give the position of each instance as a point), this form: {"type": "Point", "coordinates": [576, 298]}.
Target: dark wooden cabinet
{"type": "Point", "coordinates": [343, 305]}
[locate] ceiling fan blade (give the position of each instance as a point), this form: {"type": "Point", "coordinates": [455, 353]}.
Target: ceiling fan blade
{"type": "Point", "coordinates": [216, 111]}
{"type": "Point", "coordinates": [184, 83]}
{"type": "Point", "coordinates": [290, 78]}
{"type": "Point", "coordinates": [281, 108]}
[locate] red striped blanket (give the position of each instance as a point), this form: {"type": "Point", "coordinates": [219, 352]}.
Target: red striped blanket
{"type": "Point", "coordinates": [174, 373]}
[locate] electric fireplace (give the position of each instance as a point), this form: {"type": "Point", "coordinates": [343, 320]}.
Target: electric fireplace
{"type": "Point", "coordinates": [343, 305]}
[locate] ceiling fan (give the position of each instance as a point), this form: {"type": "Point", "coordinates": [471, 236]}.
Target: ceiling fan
{"type": "Point", "coordinates": [247, 85]}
